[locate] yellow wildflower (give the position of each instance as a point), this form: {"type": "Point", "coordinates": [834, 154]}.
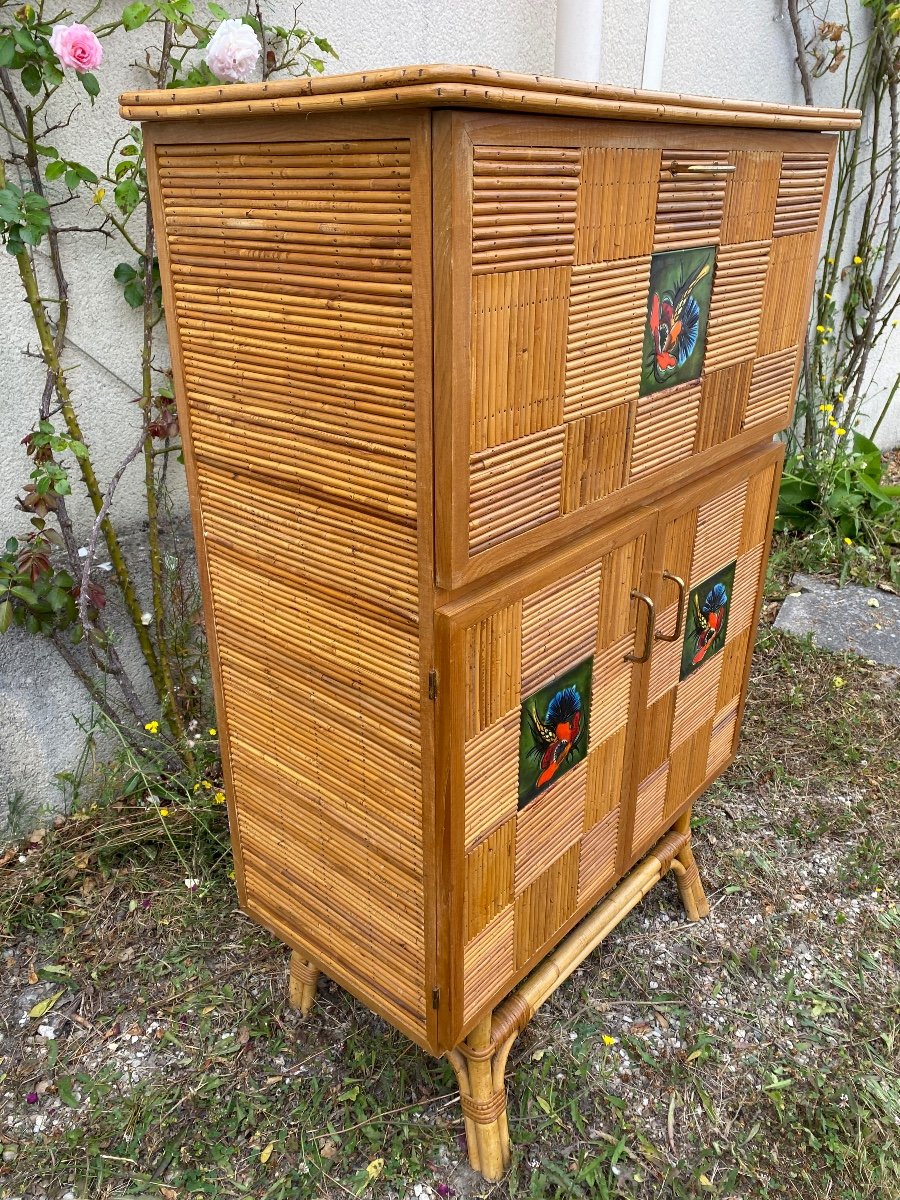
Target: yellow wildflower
{"type": "Point", "coordinates": [848, 541]}
{"type": "Point", "coordinates": [152, 726]}
{"type": "Point", "coordinates": [832, 422]}
{"type": "Point", "coordinates": [608, 1041]}
{"type": "Point", "coordinates": [219, 797]}
{"type": "Point", "coordinates": [830, 261]}
{"type": "Point", "coordinates": [98, 195]}
{"type": "Point", "coordinates": [840, 431]}
{"type": "Point", "coordinates": [163, 812]}
{"type": "Point", "coordinates": [820, 329]}
{"type": "Point", "coordinates": [856, 260]}
{"type": "Point", "coordinates": [207, 785]}
{"type": "Point", "coordinates": [212, 733]}
{"type": "Point", "coordinates": [826, 408]}
{"type": "Point", "coordinates": [838, 682]}
{"type": "Point", "coordinates": [828, 295]}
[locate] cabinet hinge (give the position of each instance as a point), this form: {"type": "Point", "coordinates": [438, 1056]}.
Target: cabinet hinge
{"type": "Point", "coordinates": [435, 997]}
{"type": "Point", "coordinates": [432, 684]}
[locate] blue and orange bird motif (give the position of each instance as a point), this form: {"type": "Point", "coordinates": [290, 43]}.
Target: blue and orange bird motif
{"type": "Point", "coordinates": [675, 324]}
{"type": "Point", "coordinates": [557, 735]}
{"type": "Point", "coordinates": [710, 617]}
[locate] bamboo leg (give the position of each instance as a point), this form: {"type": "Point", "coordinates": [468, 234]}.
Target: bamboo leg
{"type": "Point", "coordinates": [461, 1069]}
{"type": "Point", "coordinates": [485, 1106]}
{"type": "Point", "coordinates": [302, 983]}
{"type": "Point", "coordinates": [690, 886]}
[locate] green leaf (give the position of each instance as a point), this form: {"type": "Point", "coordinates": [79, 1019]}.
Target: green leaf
{"type": "Point", "coordinates": [134, 16]}
{"type": "Point", "coordinates": [218, 11]}
{"type": "Point", "coordinates": [57, 599]}
{"type": "Point", "coordinates": [134, 293]}
{"type": "Point", "coordinates": [127, 196]}
{"type": "Point", "coordinates": [85, 173]}
{"type": "Point", "coordinates": [66, 1089]}
{"type": "Point", "coordinates": [124, 272]}
{"type": "Point", "coordinates": [47, 151]}
{"type": "Point", "coordinates": [6, 615]}
{"type": "Point", "coordinates": [25, 594]}
{"type": "Point", "coordinates": [53, 76]}
{"type": "Point", "coordinates": [43, 1006]}
{"type": "Point", "coordinates": [72, 179]}
{"type": "Point", "coordinates": [89, 83]}
{"type": "Point", "coordinates": [7, 51]}
{"type": "Point", "coordinates": [128, 151]}
{"type": "Point", "coordinates": [31, 78]}
{"type": "Point", "coordinates": [25, 40]}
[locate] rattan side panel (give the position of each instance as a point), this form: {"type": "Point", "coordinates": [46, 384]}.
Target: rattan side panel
{"type": "Point", "coordinates": [533, 858]}
{"type": "Point", "coordinates": [292, 282]}
{"type": "Point", "coordinates": [690, 724]}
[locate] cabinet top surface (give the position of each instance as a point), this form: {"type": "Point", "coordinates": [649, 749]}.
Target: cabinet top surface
{"type": "Point", "coordinates": [444, 86]}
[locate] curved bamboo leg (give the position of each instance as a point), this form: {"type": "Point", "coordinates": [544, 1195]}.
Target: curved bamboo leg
{"type": "Point", "coordinates": [461, 1070]}
{"type": "Point", "coordinates": [687, 876]}
{"type": "Point", "coordinates": [483, 1099]}
{"type": "Point", "coordinates": [302, 982]}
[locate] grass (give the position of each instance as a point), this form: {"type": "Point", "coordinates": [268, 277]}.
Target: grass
{"type": "Point", "coordinates": [754, 1054]}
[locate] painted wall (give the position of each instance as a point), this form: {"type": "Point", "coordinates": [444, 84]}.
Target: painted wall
{"type": "Point", "coordinates": [718, 47]}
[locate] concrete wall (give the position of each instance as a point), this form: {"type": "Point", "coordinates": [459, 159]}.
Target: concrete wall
{"type": "Point", "coordinates": [716, 47]}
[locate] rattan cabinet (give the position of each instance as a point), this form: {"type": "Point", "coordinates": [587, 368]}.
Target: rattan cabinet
{"type": "Point", "coordinates": [477, 377]}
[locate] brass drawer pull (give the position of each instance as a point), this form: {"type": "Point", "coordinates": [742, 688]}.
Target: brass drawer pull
{"type": "Point", "coordinates": [678, 168]}
{"type": "Point", "coordinates": [679, 616]}
{"type": "Point", "coordinates": [651, 626]}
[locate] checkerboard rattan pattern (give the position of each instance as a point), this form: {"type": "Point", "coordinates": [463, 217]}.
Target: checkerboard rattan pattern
{"type": "Point", "coordinates": [529, 869]}
{"type": "Point", "coordinates": [563, 242]}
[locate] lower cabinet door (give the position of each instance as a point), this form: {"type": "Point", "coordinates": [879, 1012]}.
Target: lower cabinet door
{"type": "Point", "coordinates": [709, 564]}
{"type": "Point", "coordinates": [537, 682]}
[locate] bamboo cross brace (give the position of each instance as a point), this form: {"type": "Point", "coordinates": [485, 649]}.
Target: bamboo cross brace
{"type": "Point", "coordinates": [480, 1061]}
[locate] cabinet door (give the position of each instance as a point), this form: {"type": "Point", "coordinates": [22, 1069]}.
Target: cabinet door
{"type": "Point", "coordinates": [566, 390]}
{"type": "Point", "coordinates": [711, 549]}
{"type": "Point", "coordinates": [536, 684]}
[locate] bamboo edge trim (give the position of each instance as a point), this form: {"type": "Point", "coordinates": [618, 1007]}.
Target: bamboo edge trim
{"type": "Point", "coordinates": [407, 79]}
{"type": "Point", "coordinates": [513, 1014]}
{"type": "Point", "coordinates": [455, 95]}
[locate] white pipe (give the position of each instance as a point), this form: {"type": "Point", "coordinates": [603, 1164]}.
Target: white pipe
{"type": "Point", "coordinates": [655, 45]}
{"type": "Point", "coordinates": [579, 28]}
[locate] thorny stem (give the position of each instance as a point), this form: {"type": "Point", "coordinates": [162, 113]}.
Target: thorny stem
{"type": "Point", "coordinates": [802, 64]}
{"type": "Point", "coordinates": [171, 706]}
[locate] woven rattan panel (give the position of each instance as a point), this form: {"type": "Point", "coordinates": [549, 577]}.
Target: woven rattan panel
{"type": "Point", "coordinates": [719, 547]}
{"type": "Point", "coordinates": [571, 399]}
{"type": "Point", "coordinates": [542, 832]}
{"type": "Point", "coordinates": [291, 270]}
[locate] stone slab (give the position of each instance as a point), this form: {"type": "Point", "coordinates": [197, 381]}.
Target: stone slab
{"type": "Point", "coordinates": [865, 621]}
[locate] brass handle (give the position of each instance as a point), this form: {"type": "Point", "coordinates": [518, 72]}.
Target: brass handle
{"type": "Point", "coordinates": [679, 616]}
{"type": "Point", "coordinates": [651, 626]}
{"type": "Point", "coordinates": [678, 168]}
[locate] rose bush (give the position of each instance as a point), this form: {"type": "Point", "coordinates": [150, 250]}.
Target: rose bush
{"type": "Point", "coordinates": [50, 582]}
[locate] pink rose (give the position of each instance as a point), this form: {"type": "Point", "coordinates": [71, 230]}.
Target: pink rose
{"type": "Point", "coordinates": [232, 52]}
{"type": "Point", "coordinates": [75, 46]}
